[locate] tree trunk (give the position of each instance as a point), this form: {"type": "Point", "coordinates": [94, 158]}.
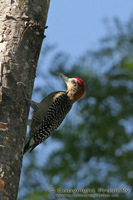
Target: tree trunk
{"type": "Point", "coordinates": [22, 24]}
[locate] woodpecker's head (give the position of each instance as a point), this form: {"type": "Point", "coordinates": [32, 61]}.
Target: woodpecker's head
{"type": "Point", "coordinates": [75, 87]}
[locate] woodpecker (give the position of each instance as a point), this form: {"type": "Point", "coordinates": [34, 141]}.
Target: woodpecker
{"type": "Point", "coordinates": [51, 111]}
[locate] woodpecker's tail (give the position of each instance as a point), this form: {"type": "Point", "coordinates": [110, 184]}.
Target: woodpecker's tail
{"type": "Point", "coordinates": [27, 147]}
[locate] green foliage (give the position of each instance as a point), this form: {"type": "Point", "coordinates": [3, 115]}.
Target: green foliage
{"type": "Point", "coordinates": [96, 139]}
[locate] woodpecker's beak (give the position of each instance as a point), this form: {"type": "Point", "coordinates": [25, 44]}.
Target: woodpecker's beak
{"type": "Point", "coordinates": [65, 78]}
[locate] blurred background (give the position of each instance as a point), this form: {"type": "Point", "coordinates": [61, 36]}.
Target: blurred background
{"type": "Point", "coordinates": [93, 148]}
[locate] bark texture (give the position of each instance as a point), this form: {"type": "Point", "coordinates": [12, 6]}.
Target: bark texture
{"type": "Point", "coordinates": [22, 25]}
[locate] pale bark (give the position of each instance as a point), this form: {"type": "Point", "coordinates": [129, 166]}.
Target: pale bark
{"type": "Point", "coordinates": [22, 26]}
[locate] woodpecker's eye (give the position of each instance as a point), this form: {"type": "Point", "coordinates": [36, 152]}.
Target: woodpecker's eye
{"type": "Point", "coordinates": [73, 81]}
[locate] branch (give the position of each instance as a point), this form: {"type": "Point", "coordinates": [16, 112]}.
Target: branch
{"type": "Point", "coordinates": [22, 31]}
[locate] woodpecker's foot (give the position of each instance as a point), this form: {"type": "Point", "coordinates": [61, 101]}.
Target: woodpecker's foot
{"type": "Point", "coordinates": [33, 104]}
{"type": "Point", "coordinates": [27, 98]}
